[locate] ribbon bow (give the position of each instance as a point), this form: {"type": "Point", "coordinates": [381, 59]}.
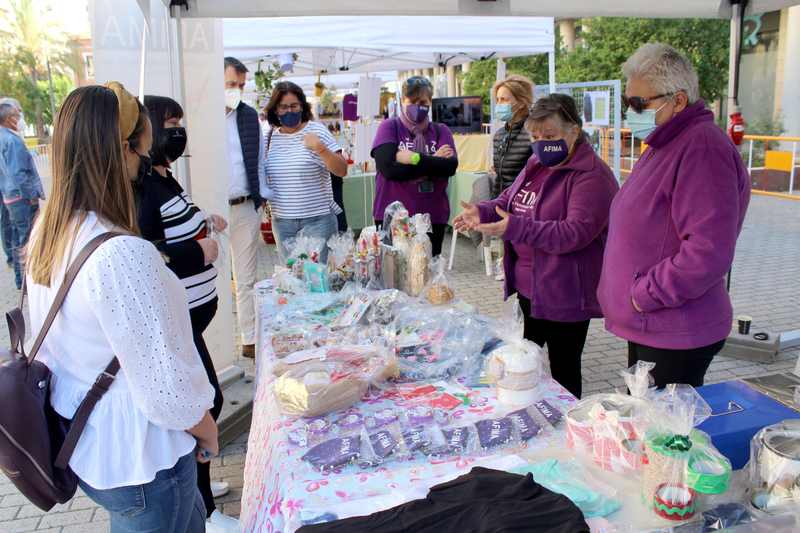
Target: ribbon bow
{"type": "Point", "coordinates": [678, 443]}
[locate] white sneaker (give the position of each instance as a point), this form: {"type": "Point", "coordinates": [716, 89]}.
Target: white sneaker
{"type": "Point", "coordinates": [219, 489]}
{"type": "Point", "coordinates": [220, 523]}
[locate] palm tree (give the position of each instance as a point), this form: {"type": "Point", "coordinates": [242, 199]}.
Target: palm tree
{"type": "Point", "coordinates": [36, 42]}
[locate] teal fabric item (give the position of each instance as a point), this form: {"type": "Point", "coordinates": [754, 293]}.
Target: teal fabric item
{"type": "Point", "coordinates": [564, 478]}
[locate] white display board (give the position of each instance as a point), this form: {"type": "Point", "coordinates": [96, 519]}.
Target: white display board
{"type": "Point", "coordinates": [117, 37]}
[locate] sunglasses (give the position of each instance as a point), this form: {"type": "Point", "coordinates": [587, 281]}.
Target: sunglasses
{"type": "Point", "coordinates": [639, 103]}
{"type": "Point", "coordinates": [418, 81]}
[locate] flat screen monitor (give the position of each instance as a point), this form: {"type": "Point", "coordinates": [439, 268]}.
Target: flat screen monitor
{"type": "Point", "coordinates": [462, 114]}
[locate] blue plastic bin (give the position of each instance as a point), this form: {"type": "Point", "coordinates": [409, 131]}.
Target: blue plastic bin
{"type": "Point", "coordinates": [739, 412]}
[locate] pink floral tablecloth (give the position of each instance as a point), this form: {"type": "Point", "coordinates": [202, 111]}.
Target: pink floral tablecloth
{"type": "Point", "coordinates": [282, 492]}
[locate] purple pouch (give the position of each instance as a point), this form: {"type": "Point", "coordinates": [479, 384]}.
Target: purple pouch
{"type": "Point", "coordinates": [495, 432]}
{"type": "Point", "coordinates": [526, 425]}
{"type": "Point", "coordinates": [550, 413]}
{"type": "Point", "coordinates": [417, 438]}
{"type": "Point", "coordinates": [383, 443]}
{"type": "Point", "coordinates": [456, 439]}
{"type": "Point", "coordinates": [334, 452]}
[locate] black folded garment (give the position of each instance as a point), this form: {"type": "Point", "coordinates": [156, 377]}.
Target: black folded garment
{"type": "Point", "coordinates": [483, 501]}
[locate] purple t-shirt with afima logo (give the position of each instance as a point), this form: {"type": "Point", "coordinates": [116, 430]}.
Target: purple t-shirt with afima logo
{"type": "Point", "coordinates": [413, 193]}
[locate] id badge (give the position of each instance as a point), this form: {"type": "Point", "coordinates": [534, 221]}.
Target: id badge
{"type": "Point", "coordinates": [426, 186]}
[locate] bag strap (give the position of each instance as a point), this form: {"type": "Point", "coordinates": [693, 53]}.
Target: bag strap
{"type": "Point", "coordinates": [98, 390]}
{"type": "Point", "coordinates": [69, 278]}
{"type": "Point", "coordinates": [104, 380]}
{"type": "Point", "coordinates": [266, 155]}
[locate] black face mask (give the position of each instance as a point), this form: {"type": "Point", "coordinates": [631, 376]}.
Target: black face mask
{"type": "Point", "coordinates": [170, 145]}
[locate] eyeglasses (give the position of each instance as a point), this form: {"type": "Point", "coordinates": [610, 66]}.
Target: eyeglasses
{"type": "Point", "coordinates": [640, 103]}
{"type": "Point", "coordinates": [283, 108]}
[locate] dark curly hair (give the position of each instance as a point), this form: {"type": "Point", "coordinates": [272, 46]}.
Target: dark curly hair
{"type": "Point", "coordinates": [280, 90]}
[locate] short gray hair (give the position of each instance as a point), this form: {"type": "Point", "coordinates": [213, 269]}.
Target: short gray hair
{"type": "Point", "coordinates": [665, 69]}
{"type": "Point", "coordinates": [7, 111]}
{"type": "Point", "coordinates": [13, 101]}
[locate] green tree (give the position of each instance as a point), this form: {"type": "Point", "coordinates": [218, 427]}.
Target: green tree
{"type": "Point", "coordinates": [31, 39]}
{"type": "Point", "coordinates": [605, 43]}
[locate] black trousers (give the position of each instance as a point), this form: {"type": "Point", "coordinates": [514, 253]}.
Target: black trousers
{"type": "Point", "coordinates": [675, 366]}
{"type": "Point", "coordinates": [201, 318]}
{"type": "Point", "coordinates": [436, 236]}
{"type": "Point", "coordinates": [565, 342]}
{"type": "Point", "coordinates": [337, 184]}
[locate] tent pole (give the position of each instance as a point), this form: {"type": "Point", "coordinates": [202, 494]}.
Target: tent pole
{"type": "Point", "coordinates": [180, 88]}
{"type": "Point", "coordinates": [737, 12]}
{"type": "Point", "coordinates": [143, 62]}
{"type": "Point", "coordinates": [551, 67]}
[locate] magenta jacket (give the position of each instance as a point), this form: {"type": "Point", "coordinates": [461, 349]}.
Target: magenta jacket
{"type": "Point", "coordinates": [672, 236]}
{"type": "Point", "coordinates": [568, 231]}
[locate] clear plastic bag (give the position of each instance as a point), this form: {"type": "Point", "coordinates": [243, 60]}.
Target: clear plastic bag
{"type": "Point", "coordinates": [322, 380]}
{"type": "Point", "coordinates": [774, 467]}
{"type": "Point", "coordinates": [383, 445]}
{"type": "Point", "coordinates": [419, 255]}
{"type": "Point", "coordinates": [610, 428]}
{"type": "Point", "coordinates": [396, 222]}
{"type": "Point", "coordinates": [436, 344]}
{"type": "Point", "coordinates": [439, 290]}
{"type": "Point", "coordinates": [221, 238]}
{"type": "Point", "coordinates": [303, 248]}
{"type": "Point", "coordinates": [340, 260]}
{"type": "Point", "coordinates": [368, 258]}
{"type": "Point", "coordinates": [681, 463]}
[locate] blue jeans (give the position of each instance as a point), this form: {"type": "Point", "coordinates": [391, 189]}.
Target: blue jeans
{"type": "Point", "coordinates": [170, 503]}
{"type": "Point", "coordinates": [323, 226]}
{"type": "Point", "coordinates": [5, 233]}
{"type": "Point", "coordinates": [20, 216]}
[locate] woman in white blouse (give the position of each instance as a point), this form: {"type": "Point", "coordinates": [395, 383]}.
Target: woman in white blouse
{"type": "Point", "coordinates": [136, 456]}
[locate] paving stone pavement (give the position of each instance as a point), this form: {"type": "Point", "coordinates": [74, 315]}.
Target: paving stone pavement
{"type": "Point", "coordinates": [766, 274]}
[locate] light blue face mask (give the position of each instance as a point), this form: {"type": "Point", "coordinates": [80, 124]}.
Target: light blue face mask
{"type": "Point", "coordinates": [644, 123]}
{"type": "Point", "coordinates": [503, 112]}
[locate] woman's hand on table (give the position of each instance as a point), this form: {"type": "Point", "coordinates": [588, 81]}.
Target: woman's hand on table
{"type": "Point", "coordinates": [495, 229]}
{"type": "Point", "coordinates": [444, 151]}
{"type": "Point", "coordinates": [218, 223]}
{"type": "Point", "coordinates": [404, 157]}
{"type": "Point", "coordinates": [468, 219]}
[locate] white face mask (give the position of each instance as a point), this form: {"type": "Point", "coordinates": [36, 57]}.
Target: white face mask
{"type": "Point", "coordinates": [21, 126]}
{"type": "Point", "coordinates": [232, 98]}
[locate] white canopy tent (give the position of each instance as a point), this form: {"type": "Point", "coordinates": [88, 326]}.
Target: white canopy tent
{"type": "Point", "coordinates": [196, 79]}
{"type": "Point", "coordinates": [534, 8]}
{"type": "Point", "coordinates": [340, 48]}
{"type": "Point", "coordinates": [375, 44]}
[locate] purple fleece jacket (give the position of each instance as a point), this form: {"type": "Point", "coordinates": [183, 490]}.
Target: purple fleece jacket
{"type": "Point", "coordinates": [567, 230]}
{"type": "Point", "coordinates": [672, 236]}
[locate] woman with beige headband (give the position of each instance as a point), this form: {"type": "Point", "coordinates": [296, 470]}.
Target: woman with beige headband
{"type": "Point", "coordinates": [137, 454]}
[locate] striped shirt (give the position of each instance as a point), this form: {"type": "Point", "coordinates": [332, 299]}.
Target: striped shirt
{"type": "Point", "coordinates": [169, 218]}
{"type": "Point", "coordinates": [298, 177]}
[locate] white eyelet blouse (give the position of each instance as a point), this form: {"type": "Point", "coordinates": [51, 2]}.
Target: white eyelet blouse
{"type": "Point", "coordinates": [124, 302]}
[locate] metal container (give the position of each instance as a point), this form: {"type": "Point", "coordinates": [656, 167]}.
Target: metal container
{"type": "Point", "coordinates": [777, 465]}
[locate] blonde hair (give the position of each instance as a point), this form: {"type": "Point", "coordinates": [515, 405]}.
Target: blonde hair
{"type": "Point", "coordinates": [522, 90]}
{"type": "Point", "coordinates": [88, 175]}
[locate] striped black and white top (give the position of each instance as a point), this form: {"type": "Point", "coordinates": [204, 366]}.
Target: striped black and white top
{"type": "Point", "coordinates": [300, 182]}
{"type": "Point", "coordinates": [170, 220]}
